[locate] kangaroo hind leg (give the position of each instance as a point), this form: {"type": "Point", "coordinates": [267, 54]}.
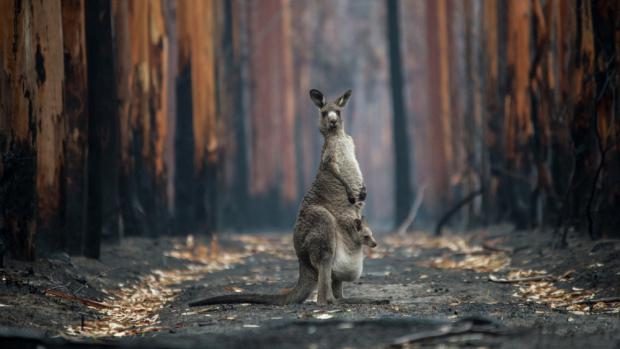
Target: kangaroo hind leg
{"type": "Point", "coordinates": [337, 288]}
{"type": "Point", "coordinates": [320, 244]}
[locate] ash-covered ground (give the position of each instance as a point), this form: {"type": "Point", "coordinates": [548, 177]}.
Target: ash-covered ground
{"type": "Point", "coordinates": [486, 288]}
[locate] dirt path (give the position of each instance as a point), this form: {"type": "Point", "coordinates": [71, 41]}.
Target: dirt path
{"type": "Point", "coordinates": [440, 293]}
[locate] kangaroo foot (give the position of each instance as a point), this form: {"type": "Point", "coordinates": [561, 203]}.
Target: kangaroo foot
{"type": "Point", "coordinates": [327, 301]}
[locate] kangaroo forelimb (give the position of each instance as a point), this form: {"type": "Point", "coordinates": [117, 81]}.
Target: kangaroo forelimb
{"type": "Point", "coordinates": [332, 166]}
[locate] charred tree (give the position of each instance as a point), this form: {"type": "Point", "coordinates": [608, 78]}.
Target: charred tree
{"type": "Point", "coordinates": [76, 114]}
{"type": "Point", "coordinates": [32, 128]}
{"type": "Point", "coordinates": [103, 128]}
{"type": "Point", "coordinates": [232, 176]}
{"type": "Point", "coordinates": [604, 196]}
{"type": "Point", "coordinates": [197, 196]}
{"type": "Point", "coordinates": [402, 169]}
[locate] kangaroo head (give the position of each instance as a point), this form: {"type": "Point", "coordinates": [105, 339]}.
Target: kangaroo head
{"type": "Point", "coordinates": [364, 234]}
{"type": "Point", "coordinates": [330, 120]}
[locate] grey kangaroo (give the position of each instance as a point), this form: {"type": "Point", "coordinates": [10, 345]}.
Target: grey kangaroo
{"type": "Point", "coordinates": [328, 234]}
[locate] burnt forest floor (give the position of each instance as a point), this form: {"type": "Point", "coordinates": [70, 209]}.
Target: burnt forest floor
{"type": "Point", "coordinates": [488, 288]}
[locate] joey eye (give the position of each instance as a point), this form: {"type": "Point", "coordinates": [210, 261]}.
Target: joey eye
{"type": "Point", "coordinates": [324, 113]}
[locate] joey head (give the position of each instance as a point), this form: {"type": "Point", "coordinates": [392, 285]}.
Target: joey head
{"type": "Point", "coordinates": [364, 234]}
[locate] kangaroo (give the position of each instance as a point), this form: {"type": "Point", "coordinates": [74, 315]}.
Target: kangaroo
{"type": "Point", "coordinates": [328, 234]}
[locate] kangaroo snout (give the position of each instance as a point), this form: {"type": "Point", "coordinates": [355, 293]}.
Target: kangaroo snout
{"type": "Point", "coordinates": [372, 244]}
{"type": "Point", "coordinates": [370, 241]}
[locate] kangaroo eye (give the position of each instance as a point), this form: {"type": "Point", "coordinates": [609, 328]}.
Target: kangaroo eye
{"type": "Point", "coordinates": [323, 113]}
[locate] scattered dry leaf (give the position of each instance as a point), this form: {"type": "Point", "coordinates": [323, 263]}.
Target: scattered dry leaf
{"type": "Point", "coordinates": [133, 309]}
{"type": "Point", "coordinates": [547, 292]}
{"type": "Point", "coordinates": [479, 263]}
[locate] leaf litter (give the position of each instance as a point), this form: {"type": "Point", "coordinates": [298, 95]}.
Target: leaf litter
{"type": "Point", "coordinates": [133, 309]}
{"type": "Point", "coordinates": [576, 300]}
{"type": "Point", "coordinates": [459, 252]}
{"type": "Point", "coordinates": [532, 285]}
{"type": "Point", "coordinates": [535, 286]}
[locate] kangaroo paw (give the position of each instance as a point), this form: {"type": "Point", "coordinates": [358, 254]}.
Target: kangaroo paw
{"type": "Point", "coordinates": [362, 195]}
{"type": "Point", "coordinates": [350, 196]}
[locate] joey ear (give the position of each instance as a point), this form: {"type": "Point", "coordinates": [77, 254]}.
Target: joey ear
{"type": "Point", "coordinates": [342, 101]}
{"type": "Point", "coordinates": [358, 224]}
{"type": "Point", "coordinates": [317, 97]}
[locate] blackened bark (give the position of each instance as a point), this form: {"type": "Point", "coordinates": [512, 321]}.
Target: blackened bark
{"type": "Point", "coordinates": [103, 135]}
{"type": "Point", "coordinates": [402, 170]}
{"type": "Point", "coordinates": [184, 157]}
{"type": "Point", "coordinates": [76, 112]}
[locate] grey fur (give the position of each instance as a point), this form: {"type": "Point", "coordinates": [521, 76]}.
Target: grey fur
{"type": "Point", "coordinates": [328, 234]}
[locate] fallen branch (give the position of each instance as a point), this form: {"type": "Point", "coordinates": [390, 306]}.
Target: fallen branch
{"type": "Point", "coordinates": [497, 249]}
{"type": "Point", "coordinates": [446, 217]}
{"type": "Point", "coordinates": [457, 328]}
{"type": "Point", "coordinates": [88, 302]}
{"type": "Point", "coordinates": [494, 278]}
{"type": "Point", "coordinates": [413, 212]}
{"type": "Point", "coordinates": [599, 300]}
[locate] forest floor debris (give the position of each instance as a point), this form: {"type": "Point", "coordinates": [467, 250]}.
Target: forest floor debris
{"type": "Point", "coordinates": [133, 309]}
{"type": "Point", "coordinates": [141, 290]}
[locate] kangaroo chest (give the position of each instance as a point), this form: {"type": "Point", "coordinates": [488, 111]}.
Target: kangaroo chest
{"type": "Point", "coordinates": [347, 264]}
{"type": "Point", "coordinates": [345, 155]}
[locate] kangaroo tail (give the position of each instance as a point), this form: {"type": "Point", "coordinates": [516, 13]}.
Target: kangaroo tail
{"type": "Point", "coordinates": [242, 298]}
{"type": "Point", "coordinates": [305, 285]}
{"type": "Point", "coordinates": [354, 300]}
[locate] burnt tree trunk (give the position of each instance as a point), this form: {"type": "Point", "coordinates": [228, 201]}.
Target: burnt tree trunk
{"type": "Point", "coordinates": [103, 128]}
{"type": "Point", "coordinates": [196, 198]}
{"type": "Point", "coordinates": [32, 127]}
{"type": "Point", "coordinates": [402, 170]}
{"type": "Point", "coordinates": [76, 114]}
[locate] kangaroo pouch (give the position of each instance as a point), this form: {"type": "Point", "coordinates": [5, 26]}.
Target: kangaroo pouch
{"type": "Point", "coordinates": [347, 265]}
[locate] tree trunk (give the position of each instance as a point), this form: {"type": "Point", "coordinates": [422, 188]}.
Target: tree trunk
{"type": "Point", "coordinates": [197, 63]}
{"type": "Point", "coordinates": [103, 128]}
{"type": "Point", "coordinates": [76, 114]}
{"type": "Point", "coordinates": [402, 169]}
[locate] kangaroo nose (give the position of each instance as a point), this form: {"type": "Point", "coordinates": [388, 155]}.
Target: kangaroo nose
{"type": "Point", "coordinates": [333, 122]}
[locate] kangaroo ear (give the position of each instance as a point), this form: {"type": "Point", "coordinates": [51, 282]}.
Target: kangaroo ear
{"type": "Point", "coordinates": [358, 224]}
{"type": "Point", "coordinates": [317, 97]}
{"type": "Point", "coordinates": [344, 98]}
